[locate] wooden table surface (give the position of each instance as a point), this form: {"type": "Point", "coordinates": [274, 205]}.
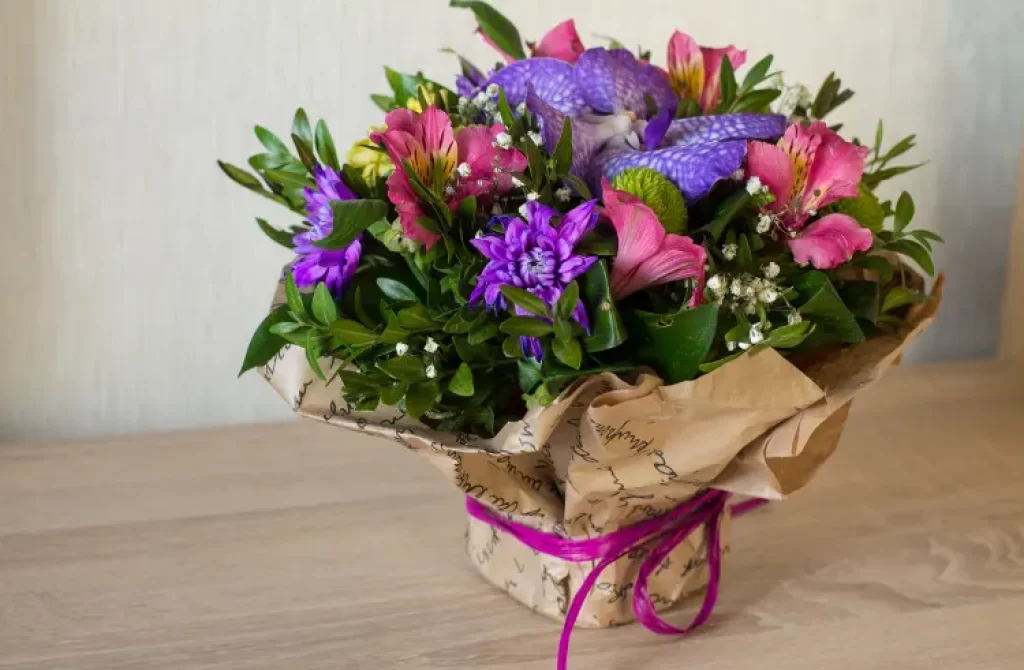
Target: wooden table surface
{"type": "Point", "coordinates": [298, 546]}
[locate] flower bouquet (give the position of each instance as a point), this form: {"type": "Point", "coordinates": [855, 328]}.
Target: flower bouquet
{"type": "Point", "coordinates": [601, 295]}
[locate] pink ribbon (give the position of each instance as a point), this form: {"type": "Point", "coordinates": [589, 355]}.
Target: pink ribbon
{"type": "Point", "coordinates": [669, 530]}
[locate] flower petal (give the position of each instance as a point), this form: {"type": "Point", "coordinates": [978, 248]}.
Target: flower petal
{"type": "Point", "coordinates": [685, 66]}
{"type": "Point", "coordinates": [712, 92]}
{"type": "Point", "coordinates": [836, 170]}
{"type": "Point", "coordinates": [561, 42]}
{"type": "Point", "coordinates": [694, 168]}
{"type": "Point", "coordinates": [830, 241]}
{"type": "Point", "coordinates": [726, 127]}
{"type": "Point", "coordinates": [613, 80]}
{"type": "Point", "coordinates": [678, 258]}
{"type": "Point", "coordinates": [577, 222]}
{"type": "Point", "coordinates": [639, 231]}
{"type": "Point", "coordinates": [773, 167]}
{"type": "Point", "coordinates": [552, 80]}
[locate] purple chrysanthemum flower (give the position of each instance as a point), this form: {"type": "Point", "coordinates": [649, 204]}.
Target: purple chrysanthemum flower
{"type": "Point", "coordinates": [314, 264]}
{"type": "Point", "coordinates": [537, 257]}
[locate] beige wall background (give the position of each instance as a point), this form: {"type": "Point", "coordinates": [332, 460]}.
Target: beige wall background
{"type": "Point", "coordinates": [133, 273]}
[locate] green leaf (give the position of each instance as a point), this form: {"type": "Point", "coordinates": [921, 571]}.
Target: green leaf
{"type": "Point", "coordinates": [790, 336]}
{"type": "Point", "coordinates": [352, 333]}
{"type": "Point", "coordinates": [876, 264]}
{"type": "Point", "coordinates": [300, 127]}
{"type": "Point", "coordinates": [512, 347]}
{"type": "Point", "coordinates": [535, 159]}
{"type": "Point", "coordinates": [393, 394]}
{"type": "Point", "coordinates": [756, 74]}
{"type": "Point", "coordinates": [394, 333]}
{"type": "Point", "coordinates": [526, 326]}
{"type": "Point", "coordinates": [351, 217]}
{"type": "Point", "coordinates": [384, 102]}
{"type": "Point", "coordinates": [484, 333]}
{"type": "Point", "coordinates": [563, 150]}
{"type": "Point", "coordinates": [325, 145]}
{"type": "Point", "coordinates": [286, 178]}
{"type": "Point", "coordinates": [676, 344]}
{"type": "Point", "coordinates": [578, 185]}
{"type": "Point", "coordinates": [726, 212]}
{"type": "Point", "coordinates": [528, 374]}
{"type": "Point", "coordinates": [862, 299]}
{"type": "Point", "coordinates": [271, 142]}
{"type": "Point", "coordinates": [421, 397]}
{"type": "Point", "coordinates": [285, 327]}
{"type": "Point", "coordinates": [324, 309]}
{"type": "Point", "coordinates": [568, 301]}
{"type": "Point", "coordinates": [879, 134]}
{"type": "Point", "coordinates": [396, 290]}
{"type": "Point", "coordinates": [504, 110]}
{"type": "Point", "coordinates": [823, 305]}
{"type": "Point", "coordinates": [923, 235]}
{"type": "Point", "coordinates": [313, 354]}
{"type": "Point", "coordinates": [292, 295]}
{"type": "Point", "coordinates": [282, 237]}
{"type": "Point", "coordinates": [357, 382]}
{"type": "Point", "coordinates": [462, 382]}
{"type": "Point", "coordinates": [500, 30]}
{"type": "Point", "coordinates": [915, 252]}
{"type": "Point", "coordinates": [569, 352]}
{"type": "Point", "coordinates": [904, 211]}
{"type": "Point", "coordinates": [875, 178]}
{"type": "Point", "coordinates": [305, 150]}
{"type": "Point", "coordinates": [417, 317]}
{"type": "Point", "coordinates": [714, 365]}
{"type": "Point", "coordinates": [865, 208]}
{"type": "Point", "coordinates": [744, 256]}
{"type": "Point", "coordinates": [525, 300]}
{"type": "Point", "coordinates": [728, 84]}
{"type": "Point", "coordinates": [756, 101]}
{"type": "Point", "coordinates": [900, 148]}
{"type": "Point", "coordinates": [241, 177]}
{"type": "Point", "coordinates": [607, 330]}
{"type": "Point", "coordinates": [264, 344]}
{"type": "Point", "coordinates": [404, 368]}
{"type": "Point", "coordinates": [898, 296]}
{"type": "Point", "coordinates": [463, 321]}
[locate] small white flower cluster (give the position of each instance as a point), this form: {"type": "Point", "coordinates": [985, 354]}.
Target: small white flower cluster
{"type": "Point", "coordinates": [755, 187]}
{"type": "Point", "coordinates": [743, 291]}
{"type": "Point", "coordinates": [729, 251]}
{"type": "Point", "coordinates": [563, 194]}
{"type": "Point", "coordinates": [430, 347]}
{"type": "Point", "coordinates": [764, 224]}
{"type": "Point", "coordinates": [536, 138]}
{"type": "Point", "coordinates": [502, 140]}
{"type": "Point", "coordinates": [484, 103]}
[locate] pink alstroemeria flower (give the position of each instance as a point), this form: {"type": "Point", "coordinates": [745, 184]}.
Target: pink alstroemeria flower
{"type": "Point", "coordinates": [808, 169]}
{"type": "Point", "coordinates": [696, 71]}
{"type": "Point", "coordinates": [647, 255]}
{"type": "Point", "coordinates": [561, 42]}
{"type": "Point", "coordinates": [436, 156]}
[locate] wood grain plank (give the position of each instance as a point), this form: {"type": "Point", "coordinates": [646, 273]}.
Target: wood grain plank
{"type": "Point", "coordinates": [296, 547]}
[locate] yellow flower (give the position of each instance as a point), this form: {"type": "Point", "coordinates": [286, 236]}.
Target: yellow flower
{"type": "Point", "coordinates": [374, 164]}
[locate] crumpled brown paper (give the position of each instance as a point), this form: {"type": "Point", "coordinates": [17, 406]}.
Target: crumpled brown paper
{"type": "Point", "coordinates": [607, 454]}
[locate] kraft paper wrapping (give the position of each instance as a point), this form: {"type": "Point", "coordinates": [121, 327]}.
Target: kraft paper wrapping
{"type": "Point", "coordinates": [607, 454]}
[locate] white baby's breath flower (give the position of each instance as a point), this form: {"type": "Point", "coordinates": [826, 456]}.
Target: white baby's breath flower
{"type": "Point", "coordinates": [532, 195]}
{"type": "Point", "coordinates": [716, 283]}
{"type": "Point", "coordinates": [463, 170]}
{"type": "Point", "coordinates": [492, 90]}
{"type": "Point", "coordinates": [750, 307]}
{"type": "Point", "coordinates": [771, 270]}
{"type": "Point", "coordinates": [481, 99]}
{"type": "Point", "coordinates": [768, 295]}
{"type": "Point", "coordinates": [794, 318]}
{"type": "Point", "coordinates": [401, 348]}
{"type": "Point", "coordinates": [736, 287]}
{"type": "Point", "coordinates": [480, 182]}
{"type": "Point", "coordinates": [517, 182]}
{"type": "Point", "coordinates": [737, 175]}
{"type": "Point", "coordinates": [431, 346]}
{"type": "Point", "coordinates": [522, 210]}
{"type": "Point", "coordinates": [496, 210]}
{"type": "Point", "coordinates": [756, 336]}
{"type": "Point", "coordinates": [812, 212]}
{"type": "Point", "coordinates": [503, 140]}
{"type": "Point", "coordinates": [730, 346]}
{"type": "Point", "coordinates": [729, 251]}
{"type": "Point", "coordinates": [431, 372]}
{"type": "Point", "coordinates": [449, 190]}
{"type": "Point", "coordinates": [764, 224]}
{"type": "Point", "coordinates": [754, 186]}
{"type": "Point", "coordinates": [743, 345]}
{"type": "Point", "coordinates": [535, 138]}
{"type": "Point", "coordinates": [756, 284]}
{"type": "Point", "coordinates": [521, 108]}
{"type": "Point", "coordinates": [563, 194]}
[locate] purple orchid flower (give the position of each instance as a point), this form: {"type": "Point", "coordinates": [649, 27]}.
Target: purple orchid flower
{"type": "Point", "coordinates": [314, 265]}
{"type": "Point", "coordinates": [605, 96]}
{"type": "Point", "coordinates": [537, 257]}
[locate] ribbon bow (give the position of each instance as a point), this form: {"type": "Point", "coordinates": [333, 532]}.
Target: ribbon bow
{"type": "Point", "coordinates": [669, 530]}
